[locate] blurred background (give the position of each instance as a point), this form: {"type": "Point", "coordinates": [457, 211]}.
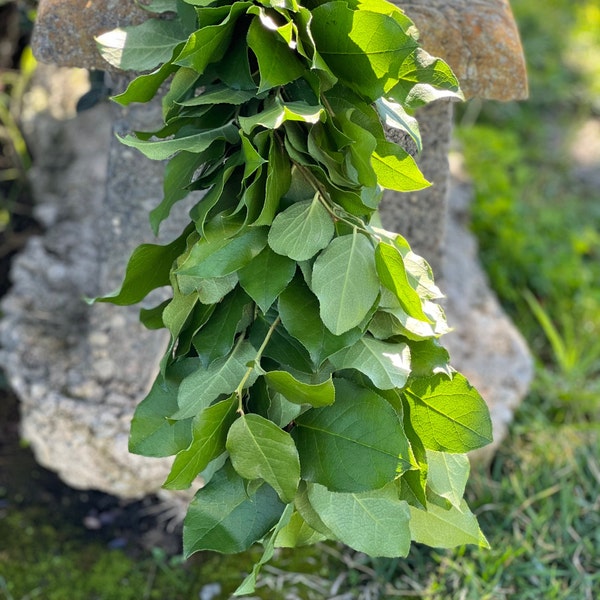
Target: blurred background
{"type": "Point", "coordinates": [535, 171]}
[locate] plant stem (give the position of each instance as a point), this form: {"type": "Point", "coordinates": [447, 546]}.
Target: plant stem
{"type": "Point", "coordinates": [323, 198]}
{"type": "Point", "coordinates": [240, 388]}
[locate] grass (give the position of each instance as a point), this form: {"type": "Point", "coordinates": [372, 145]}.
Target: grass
{"type": "Point", "coordinates": [536, 219]}
{"type": "Point", "coordinates": [539, 500]}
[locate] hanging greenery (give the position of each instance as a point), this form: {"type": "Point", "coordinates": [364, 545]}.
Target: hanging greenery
{"type": "Point", "coordinates": [304, 382]}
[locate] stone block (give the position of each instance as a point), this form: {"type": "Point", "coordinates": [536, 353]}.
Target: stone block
{"type": "Point", "coordinates": [65, 30]}
{"type": "Point", "coordinates": [478, 38]}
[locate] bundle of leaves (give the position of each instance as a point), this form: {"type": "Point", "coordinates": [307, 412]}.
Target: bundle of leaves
{"type": "Point", "coordinates": [304, 381]}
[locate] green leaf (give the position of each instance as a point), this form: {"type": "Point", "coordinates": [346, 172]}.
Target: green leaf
{"type": "Point", "coordinates": [389, 322]}
{"type": "Point", "coordinates": [145, 87]}
{"type": "Point", "coordinates": [429, 357]}
{"type": "Point", "coordinates": [151, 318]}
{"type": "Point", "coordinates": [395, 116]}
{"type": "Point", "coordinates": [383, 7]}
{"type": "Point", "coordinates": [219, 257]}
{"type": "Point", "coordinates": [178, 175]}
{"type": "Point", "coordinates": [266, 276]}
{"type": "Point", "coordinates": [279, 113]}
{"type": "Point", "coordinates": [448, 474]}
{"type": "Point", "coordinates": [309, 514]}
{"type": "Point", "coordinates": [299, 312]}
{"type": "Point", "coordinates": [424, 79]}
{"type": "Point", "coordinates": [210, 43]}
{"type": "Point", "coordinates": [220, 94]}
{"type": "Point", "coordinates": [141, 47]}
{"type": "Point", "coordinates": [203, 3]}
{"type": "Point", "coordinates": [196, 142]}
{"type": "Point", "coordinates": [222, 376]}
{"type": "Point", "coordinates": [396, 169]}
{"type": "Point", "coordinates": [297, 392]}
{"type": "Point", "coordinates": [297, 533]}
{"type": "Point", "coordinates": [151, 434]}
{"type": "Point", "coordinates": [416, 479]}
{"type": "Point", "coordinates": [277, 63]}
{"type": "Point", "coordinates": [361, 149]}
{"type": "Point", "coordinates": [296, 147]}
{"type": "Point", "coordinates": [177, 313]}
{"type": "Point", "coordinates": [225, 183]}
{"type": "Point", "coordinates": [258, 449]}
{"type": "Point", "coordinates": [363, 48]}
{"type": "Point", "coordinates": [323, 149]}
{"type": "Point", "coordinates": [235, 67]}
{"type": "Point", "coordinates": [281, 411]}
{"type": "Point", "coordinates": [279, 178]}
{"type": "Point", "coordinates": [448, 415]}
{"type": "Point", "coordinates": [209, 434]}
{"type": "Point", "coordinates": [213, 467]}
{"type": "Point", "coordinates": [345, 281]}
{"type": "Point", "coordinates": [249, 584]}
{"type": "Point", "coordinates": [215, 339]}
{"type": "Point", "coordinates": [343, 102]}
{"type": "Point", "coordinates": [387, 365]}
{"type": "Point", "coordinates": [182, 85]}
{"type": "Point", "coordinates": [210, 291]}
{"type": "Point", "coordinates": [306, 47]}
{"type": "Point", "coordinates": [227, 517]}
{"type": "Point", "coordinates": [160, 6]}
{"type": "Point", "coordinates": [252, 200]}
{"type": "Point", "coordinates": [419, 273]}
{"type": "Point", "coordinates": [252, 158]}
{"type": "Point", "coordinates": [411, 487]}
{"type": "Point", "coordinates": [301, 230]}
{"type": "Point", "coordinates": [375, 522]}
{"type": "Point", "coordinates": [441, 528]}
{"type": "Point", "coordinates": [148, 268]}
{"type": "Point", "coordinates": [282, 347]}
{"type": "Point", "coordinates": [391, 270]}
{"type": "Point", "coordinates": [354, 445]}
{"type": "Point", "coordinates": [197, 319]}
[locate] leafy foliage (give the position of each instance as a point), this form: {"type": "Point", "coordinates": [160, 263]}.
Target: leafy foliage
{"type": "Point", "coordinates": [302, 381]}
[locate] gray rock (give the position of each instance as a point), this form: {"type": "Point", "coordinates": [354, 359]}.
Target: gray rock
{"type": "Point", "coordinates": [80, 370]}
{"type": "Point", "coordinates": [484, 345]}
{"type": "Point", "coordinates": [420, 216]}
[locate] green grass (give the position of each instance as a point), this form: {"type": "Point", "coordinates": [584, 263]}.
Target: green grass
{"type": "Point", "coordinates": [538, 224]}
{"type": "Point", "coordinates": [538, 504]}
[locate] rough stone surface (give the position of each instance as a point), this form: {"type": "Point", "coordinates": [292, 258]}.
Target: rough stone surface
{"type": "Point", "coordinates": [65, 29]}
{"type": "Point", "coordinates": [80, 370]}
{"type": "Point", "coordinates": [420, 216]}
{"type": "Point", "coordinates": [478, 38]}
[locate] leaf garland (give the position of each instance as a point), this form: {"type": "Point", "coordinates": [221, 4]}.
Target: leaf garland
{"type": "Point", "coordinates": [303, 371]}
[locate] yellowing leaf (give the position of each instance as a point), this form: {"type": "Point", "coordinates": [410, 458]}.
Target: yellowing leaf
{"type": "Point", "coordinates": [446, 528]}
